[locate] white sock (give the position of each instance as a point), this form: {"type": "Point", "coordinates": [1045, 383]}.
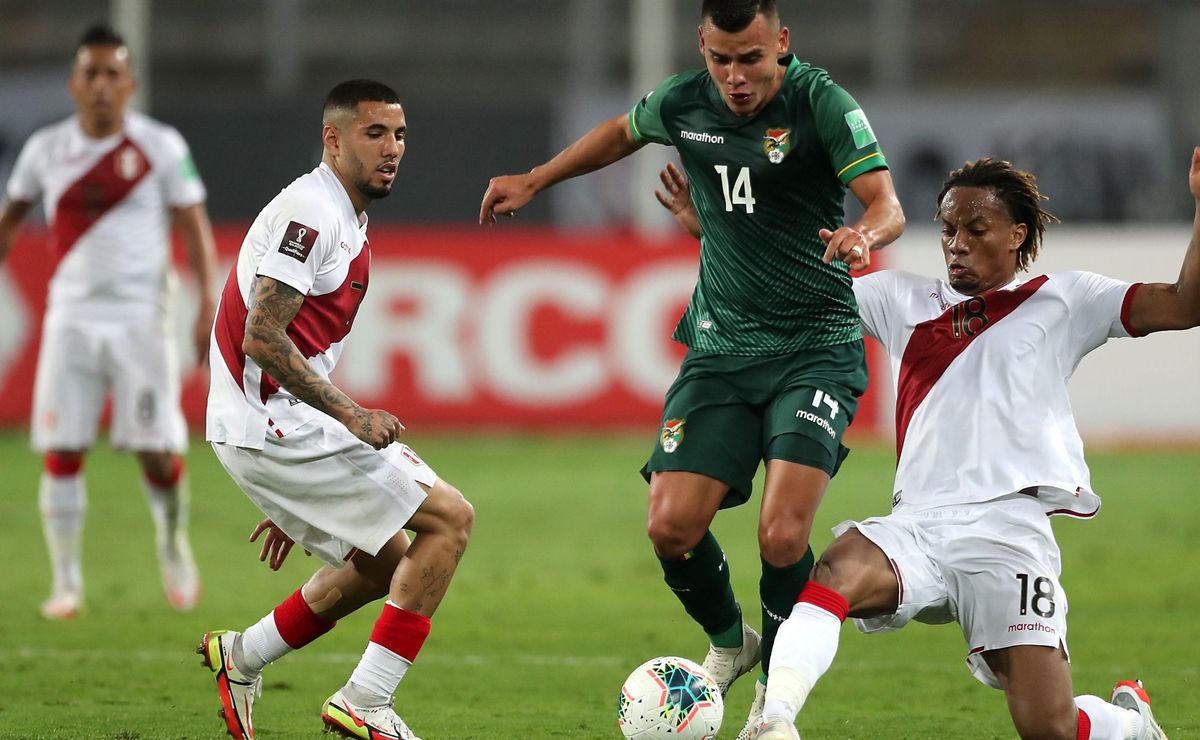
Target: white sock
{"type": "Point", "coordinates": [1110, 722]}
{"type": "Point", "coordinates": [169, 509]}
{"type": "Point", "coordinates": [63, 502]}
{"type": "Point", "coordinates": [261, 644]}
{"type": "Point", "coordinates": [804, 649]}
{"type": "Point", "coordinates": [376, 676]}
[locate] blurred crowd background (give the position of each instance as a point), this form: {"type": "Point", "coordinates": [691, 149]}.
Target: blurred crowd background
{"type": "Point", "coordinates": [1097, 96]}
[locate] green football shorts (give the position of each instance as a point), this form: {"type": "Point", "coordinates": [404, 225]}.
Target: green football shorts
{"type": "Point", "coordinates": [725, 413]}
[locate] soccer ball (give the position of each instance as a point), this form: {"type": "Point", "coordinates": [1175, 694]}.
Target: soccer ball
{"type": "Point", "coordinates": [670, 698]}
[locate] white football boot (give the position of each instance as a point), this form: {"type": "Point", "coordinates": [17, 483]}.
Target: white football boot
{"type": "Point", "coordinates": [756, 709]}
{"type": "Point", "coordinates": [775, 729]}
{"type": "Point", "coordinates": [726, 665]}
{"type": "Point", "coordinates": [180, 577]}
{"type": "Point", "coordinates": [367, 723]}
{"type": "Point", "coordinates": [1131, 695]}
{"type": "Point", "coordinates": [236, 689]}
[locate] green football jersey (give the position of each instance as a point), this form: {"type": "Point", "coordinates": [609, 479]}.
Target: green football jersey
{"type": "Point", "coordinates": [762, 187]}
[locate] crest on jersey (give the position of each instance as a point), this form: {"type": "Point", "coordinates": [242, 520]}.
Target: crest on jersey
{"type": "Point", "coordinates": [672, 435]}
{"type": "Point", "coordinates": [128, 163]}
{"type": "Point", "coordinates": [298, 241]}
{"type": "Point", "coordinates": [777, 142]}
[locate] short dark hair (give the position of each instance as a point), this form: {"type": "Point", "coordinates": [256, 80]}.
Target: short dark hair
{"type": "Point", "coordinates": [347, 95]}
{"type": "Point", "coordinates": [100, 34]}
{"type": "Point", "coordinates": [1018, 191]}
{"type": "Point", "coordinates": [734, 15]}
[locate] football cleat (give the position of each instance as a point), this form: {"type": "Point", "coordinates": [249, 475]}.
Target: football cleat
{"type": "Point", "coordinates": [63, 605]}
{"type": "Point", "coordinates": [180, 577]}
{"type": "Point", "coordinates": [367, 723]}
{"type": "Point", "coordinates": [756, 710]}
{"type": "Point", "coordinates": [1131, 695]}
{"type": "Point", "coordinates": [725, 665]}
{"type": "Point", "coordinates": [775, 729]}
{"type": "Point", "coordinates": [237, 690]}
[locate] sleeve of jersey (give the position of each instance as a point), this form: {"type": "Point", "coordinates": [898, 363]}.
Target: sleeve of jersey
{"type": "Point", "coordinates": [184, 186]}
{"type": "Point", "coordinates": [645, 119]}
{"type": "Point", "coordinates": [872, 294]}
{"type": "Point", "coordinates": [845, 132]}
{"type": "Point", "coordinates": [24, 184]}
{"type": "Point", "coordinates": [298, 244]}
{"type": "Point", "coordinates": [1099, 308]}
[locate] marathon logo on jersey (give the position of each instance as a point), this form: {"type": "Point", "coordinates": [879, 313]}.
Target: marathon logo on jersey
{"type": "Point", "coordinates": [860, 128]}
{"type": "Point", "coordinates": [703, 137]}
{"type": "Point", "coordinates": [298, 241]}
{"type": "Point", "coordinates": [672, 435]}
{"type": "Point", "coordinates": [776, 144]}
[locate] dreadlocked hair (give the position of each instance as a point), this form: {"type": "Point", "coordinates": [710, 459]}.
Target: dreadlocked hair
{"type": "Point", "coordinates": [1018, 191]}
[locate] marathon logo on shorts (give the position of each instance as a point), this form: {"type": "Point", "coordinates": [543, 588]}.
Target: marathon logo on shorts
{"type": "Point", "coordinates": [1032, 627]}
{"type": "Point", "coordinates": [298, 241]}
{"type": "Point", "coordinates": [672, 435]}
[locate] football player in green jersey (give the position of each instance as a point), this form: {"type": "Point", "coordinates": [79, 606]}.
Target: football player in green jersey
{"type": "Point", "coordinates": [775, 361]}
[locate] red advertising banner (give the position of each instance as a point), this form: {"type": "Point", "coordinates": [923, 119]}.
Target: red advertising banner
{"type": "Point", "coordinates": [506, 326]}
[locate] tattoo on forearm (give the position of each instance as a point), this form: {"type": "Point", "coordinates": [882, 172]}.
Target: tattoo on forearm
{"type": "Point", "coordinates": [273, 305]}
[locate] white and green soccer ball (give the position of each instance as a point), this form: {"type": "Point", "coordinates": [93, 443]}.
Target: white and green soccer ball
{"type": "Point", "coordinates": [671, 698]}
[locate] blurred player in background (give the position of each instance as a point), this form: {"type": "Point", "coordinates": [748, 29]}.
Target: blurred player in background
{"type": "Point", "coordinates": [325, 470]}
{"type": "Point", "coordinates": [987, 449]}
{"type": "Point", "coordinates": [112, 183]}
{"type": "Point", "coordinates": [775, 361]}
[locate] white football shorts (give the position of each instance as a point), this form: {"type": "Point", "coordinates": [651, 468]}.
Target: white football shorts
{"type": "Point", "coordinates": [81, 362]}
{"type": "Point", "coordinates": [993, 567]}
{"type": "Point", "coordinates": [328, 490]}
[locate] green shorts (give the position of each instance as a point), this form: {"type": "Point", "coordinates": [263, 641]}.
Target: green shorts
{"type": "Point", "coordinates": [724, 413]}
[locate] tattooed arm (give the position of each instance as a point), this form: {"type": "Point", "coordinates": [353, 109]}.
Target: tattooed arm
{"type": "Point", "coordinates": [273, 305]}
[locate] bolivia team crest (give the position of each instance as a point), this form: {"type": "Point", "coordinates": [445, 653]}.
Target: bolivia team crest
{"type": "Point", "coordinates": [672, 435]}
{"type": "Point", "coordinates": [777, 143]}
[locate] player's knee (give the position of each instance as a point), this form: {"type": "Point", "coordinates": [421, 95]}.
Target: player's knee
{"type": "Point", "coordinates": [459, 515]}
{"type": "Point", "coordinates": [671, 537]}
{"type": "Point", "coordinates": [781, 544]}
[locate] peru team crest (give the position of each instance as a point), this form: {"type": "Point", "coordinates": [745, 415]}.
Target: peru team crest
{"type": "Point", "coordinates": [777, 143]}
{"type": "Point", "coordinates": [672, 435]}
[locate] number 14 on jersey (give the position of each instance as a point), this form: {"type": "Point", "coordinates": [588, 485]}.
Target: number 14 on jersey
{"type": "Point", "coordinates": [741, 194]}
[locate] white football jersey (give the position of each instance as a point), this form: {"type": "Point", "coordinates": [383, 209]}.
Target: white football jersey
{"type": "Point", "coordinates": [107, 203]}
{"type": "Point", "coordinates": [310, 238]}
{"type": "Point", "coordinates": [982, 409]}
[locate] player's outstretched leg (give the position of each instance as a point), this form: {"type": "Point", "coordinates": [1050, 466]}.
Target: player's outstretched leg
{"type": "Point", "coordinates": [1132, 695]}
{"type": "Point", "coordinates": [342, 716]}
{"type": "Point", "coordinates": [236, 688]}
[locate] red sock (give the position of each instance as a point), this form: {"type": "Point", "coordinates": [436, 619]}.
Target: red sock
{"type": "Point", "coordinates": [1084, 726]}
{"type": "Point", "coordinates": [825, 598]}
{"type": "Point", "coordinates": [172, 477]}
{"type": "Point", "coordinates": [296, 622]}
{"type": "Point", "coordinates": [401, 631]}
{"type": "Point", "coordinates": [62, 466]}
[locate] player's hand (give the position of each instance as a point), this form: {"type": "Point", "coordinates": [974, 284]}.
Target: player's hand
{"type": "Point", "coordinates": [1194, 175]}
{"type": "Point", "coordinates": [504, 196]}
{"type": "Point", "coordinates": [677, 199]}
{"type": "Point", "coordinates": [275, 547]}
{"type": "Point", "coordinates": [847, 245]}
{"type": "Point", "coordinates": [376, 427]}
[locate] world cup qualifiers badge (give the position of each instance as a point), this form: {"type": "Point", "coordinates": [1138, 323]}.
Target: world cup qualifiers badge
{"type": "Point", "coordinates": [777, 144]}
{"type": "Point", "coordinates": [672, 435]}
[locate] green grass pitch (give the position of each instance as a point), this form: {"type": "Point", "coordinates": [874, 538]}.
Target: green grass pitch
{"type": "Point", "coordinates": [558, 597]}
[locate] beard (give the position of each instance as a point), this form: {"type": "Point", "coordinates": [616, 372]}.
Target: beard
{"type": "Point", "coordinates": [374, 192]}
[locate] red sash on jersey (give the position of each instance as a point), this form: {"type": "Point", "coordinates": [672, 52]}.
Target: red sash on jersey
{"type": "Point", "coordinates": [96, 192]}
{"type": "Point", "coordinates": [321, 321]}
{"type": "Point", "coordinates": [934, 344]}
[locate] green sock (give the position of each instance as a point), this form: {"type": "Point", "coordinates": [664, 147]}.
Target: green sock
{"type": "Point", "coordinates": [779, 588]}
{"type": "Point", "coordinates": [700, 580]}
